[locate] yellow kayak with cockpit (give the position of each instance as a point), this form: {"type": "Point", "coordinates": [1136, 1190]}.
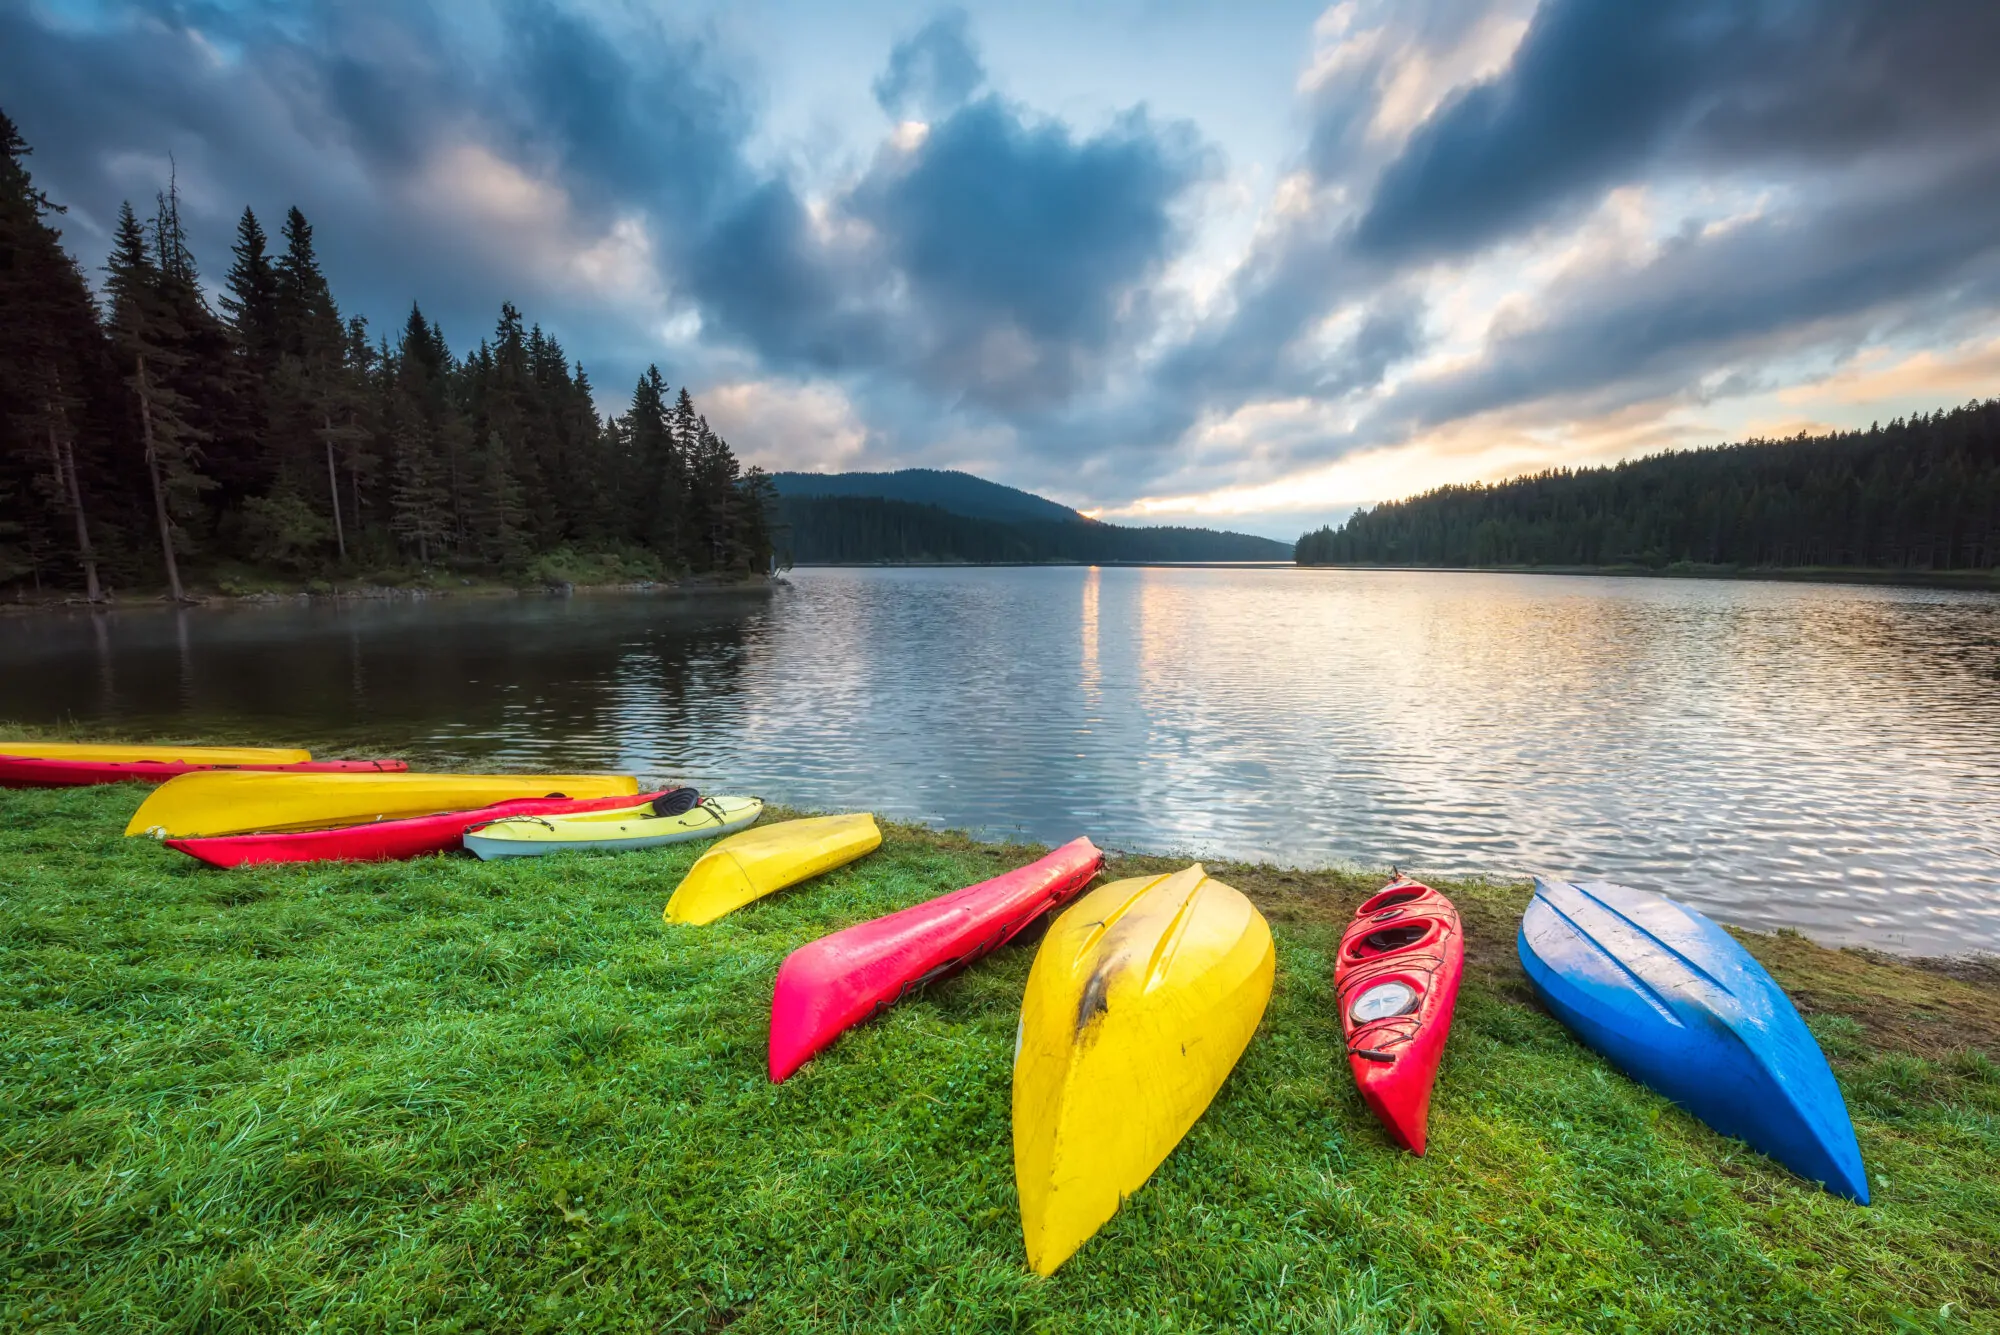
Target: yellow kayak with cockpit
{"type": "Point", "coordinates": [217, 802]}
{"type": "Point", "coordinates": [651, 825]}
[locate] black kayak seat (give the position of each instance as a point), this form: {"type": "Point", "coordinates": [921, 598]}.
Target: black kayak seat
{"type": "Point", "coordinates": [676, 802]}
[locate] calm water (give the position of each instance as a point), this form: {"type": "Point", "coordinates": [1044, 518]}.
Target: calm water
{"type": "Point", "coordinates": [1820, 757]}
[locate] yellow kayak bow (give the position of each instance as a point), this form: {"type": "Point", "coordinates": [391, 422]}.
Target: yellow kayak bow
{"type": "Point", "coordinates": [1142, 997]}
{"type": "Point", "coordinates": [751, 865]}
{"type": "Point", "coordinates": [215, 802]}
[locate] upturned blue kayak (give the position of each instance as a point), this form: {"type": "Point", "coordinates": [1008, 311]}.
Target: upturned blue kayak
{"type": "Point", "coordinates": [1674, 1002]}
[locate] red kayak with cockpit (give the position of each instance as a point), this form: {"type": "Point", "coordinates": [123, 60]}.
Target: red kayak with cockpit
{"type": "Point", "coordinates": [1396, 981]}
{"type": "Point", "coordinates": [829, 986]}
{"type": "Point", "coordinates": [48, 772]}
{"type": "Point", "coordinates": [385, 840]}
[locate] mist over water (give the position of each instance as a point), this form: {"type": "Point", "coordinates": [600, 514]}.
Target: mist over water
{"type": "Point", "coordinates": [1781, 755]}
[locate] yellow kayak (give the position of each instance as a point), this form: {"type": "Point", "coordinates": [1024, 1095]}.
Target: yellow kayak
{"type": "Point", "coordinates": [751, 865]}
{"type": "Point", "coordinates": [215, 802]}
{"type": "Point", "coordinates": [1142, 997]}
{"type": "Point", "coordinates": [120, 753]}
{"type": "Point", "coordinates": [618, 829]}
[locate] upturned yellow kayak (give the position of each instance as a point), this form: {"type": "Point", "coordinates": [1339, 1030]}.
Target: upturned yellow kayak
{"type": "Point", "coordinates": [217, 802]}
{"type": "Point", "coordinates": [1142, 997]}
{"type": "Point", "coordinates": [121, 753]}
{"type": "Point", "coordinates": [751, 865]}
{"type": "Point", "coordinates": [619, 829]}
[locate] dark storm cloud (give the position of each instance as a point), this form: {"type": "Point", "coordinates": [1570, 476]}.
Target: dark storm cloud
{"type": "Point", "coordinates": [1027, 251]}
{"type": "Point", "coordinates": [659, 126]}
{"type": "Point", "coordinates": [1001, 260]}
{"type": "Point", "coordinates": [338, 109]}
{"type": "Point", "coordinates": [1600, 90]}
{"type": "Point", "coordinates": [933, 71]}
{"type": "Point", "coordinates": [1593, 88]}
{"type": "Point", "coordinates": [1756, 286]}
{"type": "Point", "coordinates": [764, 277]}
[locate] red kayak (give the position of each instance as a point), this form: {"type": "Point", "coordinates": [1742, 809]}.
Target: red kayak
{"type": "Point", "coordinates": [836, 982]}
{"type": "Point", "coordinates": [34, 772]}
{"type": "Point", "coordinates": [385, 840]}
{"type": "Point", "coordinates": [1396, 980]}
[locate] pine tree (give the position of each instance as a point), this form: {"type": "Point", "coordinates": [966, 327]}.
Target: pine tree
{"type": "Point", "coordinates": [307, 321]}
{"type": "Point", "coordinates": [359, 425]}
{"type": "Point", "coordinates": [250, 295]}
{"type": "Point", "coordinates": [418, 507]}
{"type": "Point", "coordinates": [49, 354]}
{"type": "Point", "coordinates": [658, 483]}
{"type": "Point", "coordinates": [145, 326]}
{"type": "Point", "coordinates": [316, 396]}
{"type": "Point", "coordinates": [714, 500]}
{"type": "Point", "coordinates": [757, 507]}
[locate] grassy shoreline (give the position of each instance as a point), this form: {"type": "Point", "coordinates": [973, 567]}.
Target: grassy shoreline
{"type": "Point", "coordinates": [262, 590]}
{"type": "Point", "coordinates": [505, 1097]}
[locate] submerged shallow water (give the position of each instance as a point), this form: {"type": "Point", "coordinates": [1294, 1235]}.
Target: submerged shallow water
{"type": "Point", "coordinates": [1782, 755]}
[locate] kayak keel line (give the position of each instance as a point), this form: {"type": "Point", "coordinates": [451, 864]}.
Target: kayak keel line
{"type": "Point", "coordinates": [1673, 1001]}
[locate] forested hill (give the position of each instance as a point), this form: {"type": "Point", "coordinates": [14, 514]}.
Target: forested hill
{"type": "Point", "coordinates": [947, 489]}
{"type": "Point", "coordinates": [1921, 494]}
{"type": "Point", "coordinates": [162, 439]}
{"type": "Point", "coordinates": [828, 530]}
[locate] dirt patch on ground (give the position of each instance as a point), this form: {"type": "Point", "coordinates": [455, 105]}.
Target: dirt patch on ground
{"type": "Point", "coordinates": [1927, 1007]}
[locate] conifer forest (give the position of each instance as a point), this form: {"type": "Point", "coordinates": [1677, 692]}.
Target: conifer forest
{"type": "Point", "coordinates": [1916, 494]}
{"type": "Point", "coordinates": [152, 438]}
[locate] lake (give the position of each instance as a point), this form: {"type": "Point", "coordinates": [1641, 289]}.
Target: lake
{"type": "Point", "coordinates": [1824, 757]}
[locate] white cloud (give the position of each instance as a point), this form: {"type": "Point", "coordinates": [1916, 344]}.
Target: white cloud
{"type": "Point", "coordinates": [788, 425]}
{"type": "Point", "coordinates": [530, 222]}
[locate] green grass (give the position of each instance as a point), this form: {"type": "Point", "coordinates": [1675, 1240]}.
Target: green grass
{"type": "Point", "coordinates": [452, 1096]}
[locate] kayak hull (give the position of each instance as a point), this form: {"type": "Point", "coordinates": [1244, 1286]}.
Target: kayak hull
{"type": "Point", "coordinates": [1673, 1001]}
{"type": "Point", "coordinates": [748, 866]}
{"type": "Point", "coordinates": [376, 841]}
{"type": "Point", "coordinates": [624, 828]}
{"type": "Point", "coordinates": [1405, 947]}
{"type": "Point", "coordinates": [829, 986]}
{"type": "Point", "coordinates": [167, 752]}
{"type": "Point", "coordinates": [218, 802]}
{"type": "Point", "coordinates": [50, 772]}
{"type": "Point", "coordinates": [1141, 999]}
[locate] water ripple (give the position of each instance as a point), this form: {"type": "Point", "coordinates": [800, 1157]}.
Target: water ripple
{"type": "Point", "coordinates": [1820, 757]}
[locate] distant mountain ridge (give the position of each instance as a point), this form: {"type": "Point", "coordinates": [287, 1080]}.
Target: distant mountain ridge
{"type": "Point", "coordinates": [922, 515]}
{"type": "Point", "coordinates": [947, 489]}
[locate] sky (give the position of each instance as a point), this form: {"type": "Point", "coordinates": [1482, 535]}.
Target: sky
{"type": "Point", "coordinates": [1246, 266]}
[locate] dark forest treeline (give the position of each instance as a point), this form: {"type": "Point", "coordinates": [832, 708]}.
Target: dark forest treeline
{"type": "Point", "coordinates": [867, 529]}
{"type": "Point", "coordinates": [158, 433]}
{"type": "Point", "coordinates": [1917, 494]}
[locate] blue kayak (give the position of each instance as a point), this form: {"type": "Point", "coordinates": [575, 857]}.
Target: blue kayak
{"type": "Point", "coordinates": [1671, 1000]}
